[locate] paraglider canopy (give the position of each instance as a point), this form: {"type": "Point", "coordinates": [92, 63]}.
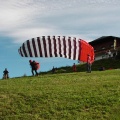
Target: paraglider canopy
{"type": "Point", "coordinates": [67, 47]}
{"type": "Point", "coordinates": [86, 49]}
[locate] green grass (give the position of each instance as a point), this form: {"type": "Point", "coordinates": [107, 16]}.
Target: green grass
{"type": "Point", "coordinates": [109, 63]}
{"type": "Point", "coordinates": [65, 96]}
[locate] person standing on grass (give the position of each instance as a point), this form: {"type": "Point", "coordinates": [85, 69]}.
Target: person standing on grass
{"type": "Point", "coordinates": [74, 68]}
{"type": "Point", "coordinates": [5, 74]}
{"type": "Point", "coordinates": [33, 65]}
{"type": "Point", "coordinates": [53, 70]}
{"type": "Point", "coordinates": [89, 63]}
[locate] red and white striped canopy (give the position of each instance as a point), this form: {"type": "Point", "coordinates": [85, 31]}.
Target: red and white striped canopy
{"type": "Point", "coordinates": [67, 47]}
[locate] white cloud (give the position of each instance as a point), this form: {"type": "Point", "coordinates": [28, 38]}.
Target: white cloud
{"type": "Point", "coordinates": [25, 34]}
{"type": "Point", "coordinates": [89, 19]}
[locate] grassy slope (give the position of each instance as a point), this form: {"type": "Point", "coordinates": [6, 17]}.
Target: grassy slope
{"type": "Point", "coordinates": [106, 63]}
{"type": "Point", "coordinates": [67, 96]}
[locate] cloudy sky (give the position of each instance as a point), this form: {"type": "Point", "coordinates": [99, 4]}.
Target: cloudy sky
{"type": "Point", "coordinates": [21, 20]}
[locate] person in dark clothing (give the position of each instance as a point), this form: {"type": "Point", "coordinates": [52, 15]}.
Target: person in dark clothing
{"type": "Point", "coordinates": [101, 68]}
{"type": "Point", "coordinates": [5, 74]}
{"type": "Point", "coordinates": [53, 70]}
{"type": "Point", "coordinates": [33, 65]}
{"type": "Point", "coordinates": [88, 63]}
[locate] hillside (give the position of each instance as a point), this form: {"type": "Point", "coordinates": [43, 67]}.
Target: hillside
{"type": "Point", "coordinates": [66, 96]}
{"type": "Point", "coordinates": [106, 63]}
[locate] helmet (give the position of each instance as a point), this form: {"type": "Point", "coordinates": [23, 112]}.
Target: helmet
{"type": "Point", "coordinates": [30, 60]}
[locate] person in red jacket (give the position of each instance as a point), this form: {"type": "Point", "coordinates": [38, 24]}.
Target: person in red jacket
{"type": "Point", "coordinates": [74, 68]}
{"type": "Point", "coordinates": [33, 65]}
{"type": "Point", "coordinates": [89, 63]}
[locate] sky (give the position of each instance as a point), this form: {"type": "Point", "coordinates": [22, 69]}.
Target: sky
{"type": "Point", "coordinates": [21, 20]}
